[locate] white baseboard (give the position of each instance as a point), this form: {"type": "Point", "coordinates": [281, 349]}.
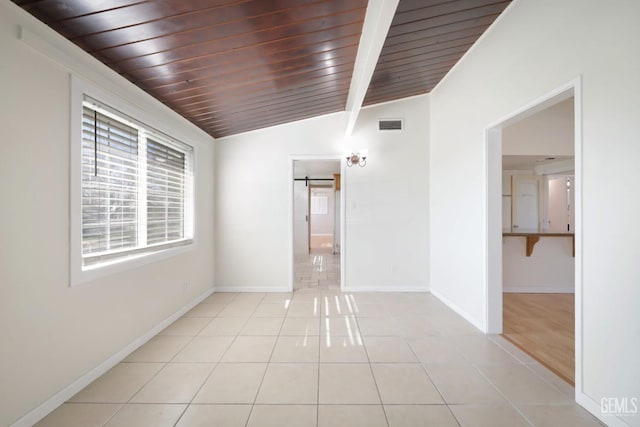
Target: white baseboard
{"type": "Point", "coordinates": [69, 391]}
{"type": "Point", "coordinates": [458, 310]}
{"type": "Point", "coordinates": [539, 289]}
{"type": "Point", "coordinates": [250, 289]}
{"type": "Point", "coordinates": [387, 289]}
{"type": "Point", "coordinates": [348, 289]}
{"type": "Point", "coordinates": [594, 408]}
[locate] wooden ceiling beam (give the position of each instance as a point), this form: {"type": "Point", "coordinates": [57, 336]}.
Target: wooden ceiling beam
{"type": "Point", "coordinates": [377, 22]}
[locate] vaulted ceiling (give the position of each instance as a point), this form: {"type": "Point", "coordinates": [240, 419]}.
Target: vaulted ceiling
{"type": "Point", "coordinates": [425, 40]}
{"type": "Point", "coordinates": [231, 66]}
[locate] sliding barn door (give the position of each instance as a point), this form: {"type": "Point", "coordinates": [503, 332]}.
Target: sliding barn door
{"type": "Point", "coordinates": [300, 218]}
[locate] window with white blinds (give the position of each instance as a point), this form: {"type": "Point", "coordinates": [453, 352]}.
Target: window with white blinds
{"type": "Point", "coordinates": [319, 205]}
{"type": "Point", "coordinates": [165, 192]}
{"type": "Point", "coordinates": [136, 188]}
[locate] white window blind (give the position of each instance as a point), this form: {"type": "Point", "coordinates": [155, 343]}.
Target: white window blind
{"type": "Point", "coordinates": [109, 184]}
{"type": "Point", "coordinates": [165, 192]}
{"type": "Point", "coordinates": [136, 188]}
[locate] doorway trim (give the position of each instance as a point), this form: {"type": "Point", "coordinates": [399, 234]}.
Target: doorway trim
{"type": "Point", "coordinates": [343, 189]}
{"type": "Point", "coordinates": [493, 282]}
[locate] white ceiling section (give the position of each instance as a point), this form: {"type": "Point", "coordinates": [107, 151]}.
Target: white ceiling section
{"type": "Point", "coordinates": [531, 162]}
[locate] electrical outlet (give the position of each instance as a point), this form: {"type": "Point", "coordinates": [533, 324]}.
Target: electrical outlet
{"type": "Point", "coordinates": [185, 286]}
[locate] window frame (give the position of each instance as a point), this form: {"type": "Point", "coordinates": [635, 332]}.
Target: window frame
{"type": "Point", "coordinates": [134, 258]}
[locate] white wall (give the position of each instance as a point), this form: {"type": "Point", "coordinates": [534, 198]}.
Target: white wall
{"type": "Point", "coordinates": [52, 333]}
{"type": "Point", "coordinates": [548, 132]}
{"type": "Point", "coordinates": [386, 201]}
{"type": "Point", "coordinates": [534, 48]}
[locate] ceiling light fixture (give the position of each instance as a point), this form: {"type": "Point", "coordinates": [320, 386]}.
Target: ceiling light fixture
{"type": "Point", "coordinates": [356, 159]}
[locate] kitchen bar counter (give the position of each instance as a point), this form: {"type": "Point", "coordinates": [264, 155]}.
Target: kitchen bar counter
{"type": "Point", "coordinates": [532, 237]}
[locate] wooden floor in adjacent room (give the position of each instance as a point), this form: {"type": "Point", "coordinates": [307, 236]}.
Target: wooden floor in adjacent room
{"type": "Point", "coordinates": [543, 326]}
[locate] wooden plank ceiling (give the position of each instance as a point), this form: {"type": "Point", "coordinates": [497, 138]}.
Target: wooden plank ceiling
{"type": "Point", "coordinates": [426, 38]}
{"type": "Point", "coordinates": [227, 66]}
{"type": "Point", "coordinates": [231, 66]}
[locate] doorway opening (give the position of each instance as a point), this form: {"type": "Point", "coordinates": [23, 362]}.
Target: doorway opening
{"type": "Point", "coordinates": [317, 211]}
{"type": "Point", "coordinates": [322, 215]}
{"type": "Point", "coordinates": [534, 231]}
{"type": "Point", "coordinates": [538, 235]}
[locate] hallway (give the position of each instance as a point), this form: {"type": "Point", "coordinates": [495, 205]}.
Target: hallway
{"type": "Point", "coordinates": [317, 271]}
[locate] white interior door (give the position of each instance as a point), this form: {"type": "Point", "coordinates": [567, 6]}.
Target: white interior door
{"type": "Point", "coordinates": [506, 212]}
{"type": "Point", "coordinates": [526, 202]}
{"type": "Point", "coordinates": [506, 201]}
{"type": "Point", "coordinates": [300, 218]}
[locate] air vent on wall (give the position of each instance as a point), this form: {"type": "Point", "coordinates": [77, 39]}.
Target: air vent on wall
{"type": "Point", "coordinates": [394, 124]}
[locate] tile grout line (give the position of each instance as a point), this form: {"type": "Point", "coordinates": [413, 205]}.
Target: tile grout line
{"type": "Point", "coordinates": [264, 374]}
{"type": "Point", "coordinates": [476, 366]}
{"type": "Point", "coordinates": [437, 389]}
{"type": "Point", "coordinates": [531, 371]}
{"type": "Point", "coordinates": [319, 350]}
{"type": "Point", "coordinates": [432, 382]}
{"type": "Point", "coordinates": [157, 373]}
{"type": "Point", "coordinates": [444, 401]}
{"type": "Point", "coordinates": [448, 405]}
{"type": "Point", "coordinates": [526, 365]}
{"type": "Point", "coordinates": [384, 411]}
{"type": "Point", "coordinates": [165, 364]}
{"type": "Point", "coordinates": [215, 365]}
{"type": "Point", "coordinates": [513, 405]}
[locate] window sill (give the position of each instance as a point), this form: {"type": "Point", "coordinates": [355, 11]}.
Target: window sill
{"type": "Point", "coordinates": [81, 275]}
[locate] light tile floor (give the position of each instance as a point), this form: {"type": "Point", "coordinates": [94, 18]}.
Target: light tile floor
{"type": "Point", "coordinates": [324, 358]}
